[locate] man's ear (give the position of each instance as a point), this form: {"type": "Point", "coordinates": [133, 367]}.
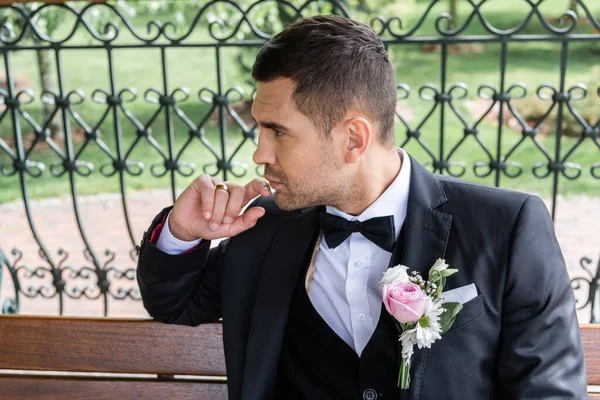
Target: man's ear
{"type": "Point", "coordinates": [359, 134]}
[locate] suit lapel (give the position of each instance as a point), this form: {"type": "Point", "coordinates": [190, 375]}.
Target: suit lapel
{"type": "Point", "coordinates": [426, 229]}
{"type": "Point", "coordinates": [425, 238]}
{"type": "Point", "coordinates": [287, 256]}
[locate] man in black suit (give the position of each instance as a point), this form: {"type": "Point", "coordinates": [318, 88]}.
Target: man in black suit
{"type": "Point", "coordinates": [297, 281]}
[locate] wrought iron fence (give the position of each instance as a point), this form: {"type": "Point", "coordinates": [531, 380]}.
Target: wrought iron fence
{"type": "Point", "coordinates": [103, 279]}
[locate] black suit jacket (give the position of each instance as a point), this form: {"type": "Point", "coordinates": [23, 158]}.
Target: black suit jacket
{"type": "Point", "coordinates": [519, 339]}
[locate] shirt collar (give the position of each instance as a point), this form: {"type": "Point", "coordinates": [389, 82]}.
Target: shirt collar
{"type": "Point", "coordinates": [393, 201]}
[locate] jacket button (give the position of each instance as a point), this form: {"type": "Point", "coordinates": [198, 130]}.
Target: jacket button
{"type": "Point", "coordinates": [369, 394]}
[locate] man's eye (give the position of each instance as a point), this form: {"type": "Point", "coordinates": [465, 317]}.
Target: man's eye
{"type": "Point", "coordinates": [279, 133]}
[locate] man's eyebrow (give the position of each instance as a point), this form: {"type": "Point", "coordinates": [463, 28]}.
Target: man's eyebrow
{"type": "Point", "coordinates": [272, 125]}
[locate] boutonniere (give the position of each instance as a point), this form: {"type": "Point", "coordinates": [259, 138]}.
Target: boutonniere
{"type": "Point", "coordinates": [418, 309]}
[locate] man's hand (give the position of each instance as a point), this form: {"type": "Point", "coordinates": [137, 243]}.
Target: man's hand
{"type": "Point", "coordinates": [204, 212]}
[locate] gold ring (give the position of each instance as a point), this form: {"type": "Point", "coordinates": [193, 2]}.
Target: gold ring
{"type": "Point", "coordinates": [222, 186]}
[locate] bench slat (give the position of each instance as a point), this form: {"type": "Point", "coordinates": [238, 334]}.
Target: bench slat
{"type": "Point", "coordinates": [38, 388]}
{"type": "Point", "coordinates": [590, 336]}
{"type": "Point", "coordinates": [110, 345]}
{"type": "Point", "coordinates": [139, 346]}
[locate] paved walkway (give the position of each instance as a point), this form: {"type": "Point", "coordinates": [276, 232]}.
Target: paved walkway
{"type": "Point", "coordinates": [577, 227]}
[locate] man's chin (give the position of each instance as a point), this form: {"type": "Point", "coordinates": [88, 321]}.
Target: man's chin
{"type": "Point", "coordinates": [284, 202]}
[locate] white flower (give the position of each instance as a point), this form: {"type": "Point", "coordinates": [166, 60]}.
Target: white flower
{"type": "Point", "coordinates": [427, 330]}
{"type": "Point", "coordinates": [407, 348]}
{"type": "Point", "coordinates": [439, 266]}
{"type": "Point", "coordinates": [395, 274]}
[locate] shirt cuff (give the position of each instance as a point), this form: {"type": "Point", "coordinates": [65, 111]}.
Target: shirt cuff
{"type": "Point", "coordinates": [170, 244]}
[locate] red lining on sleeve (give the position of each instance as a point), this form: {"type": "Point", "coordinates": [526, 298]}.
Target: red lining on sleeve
{"type": "Point", "coordinates": [156, 233]}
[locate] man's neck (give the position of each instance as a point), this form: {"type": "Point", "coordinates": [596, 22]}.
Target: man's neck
{"type": "Point", "coordinates": [372, 181]}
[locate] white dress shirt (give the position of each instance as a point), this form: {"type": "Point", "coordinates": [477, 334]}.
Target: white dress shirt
{"type": "Point", "coordinates": [170, 244]}
{"type": "Point", "coordinates": [345, 287]}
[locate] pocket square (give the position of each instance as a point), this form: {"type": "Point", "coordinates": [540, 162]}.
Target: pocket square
{"type": "Point", "coordinates": [460, 295]}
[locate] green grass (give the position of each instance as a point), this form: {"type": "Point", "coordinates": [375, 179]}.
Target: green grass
{"type": "Point", "coordinates": [532, 64]}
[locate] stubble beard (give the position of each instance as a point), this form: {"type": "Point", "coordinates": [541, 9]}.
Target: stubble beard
{"type": "Point", "coordinates": [312, 190]}
{"type": "Point", "coordinates": [321, 185]}
{"type": "Point", "coordinates": [290, 199]}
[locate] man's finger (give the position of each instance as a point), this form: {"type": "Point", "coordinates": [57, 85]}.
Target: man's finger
{"type": "Point", "coordinates": [221, 197]}
{"type": "Point", "coordinates": [257, 187]}
{"type": "Point", "coordinates": [235, 204]}
{"type": "Point", "coordinates": [205, 186]}
{"type": "Point", "coordinates": [246, 220]}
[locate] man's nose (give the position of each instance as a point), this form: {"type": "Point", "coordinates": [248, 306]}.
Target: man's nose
{"type": "Point", "coordinates": [264, 153]}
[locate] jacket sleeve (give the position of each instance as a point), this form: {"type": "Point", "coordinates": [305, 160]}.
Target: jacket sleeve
{"type": "Point", "coordinates": [540, 354]}
{"type": "Point", "coordinates": [180, 289]}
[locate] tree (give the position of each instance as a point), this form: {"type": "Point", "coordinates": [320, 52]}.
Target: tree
{"type": "Point", "coordinates": [573, 6]}
{"type": "Point", "coordinates": [453, 13]}
{"type": "Point", "coordinates": [48, 21]}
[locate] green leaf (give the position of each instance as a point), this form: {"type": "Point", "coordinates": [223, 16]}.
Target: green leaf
{"type": "Point", "coordinates": [447, 272]}
{"type": "Point", "coordinates": [440, 287]}
{"type": "Point", "coordinates": [434, 275]}
{"type": "Point", "coordinates": [447, 318]}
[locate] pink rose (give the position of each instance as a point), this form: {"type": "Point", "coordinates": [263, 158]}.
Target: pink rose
{"type": "Point", "coordinates": [405, 301]}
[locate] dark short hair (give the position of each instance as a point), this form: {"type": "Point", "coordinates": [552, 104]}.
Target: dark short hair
{"type": "Point", "coordinates": [336, 64]}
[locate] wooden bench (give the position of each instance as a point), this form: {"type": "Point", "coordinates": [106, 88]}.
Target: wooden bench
{"type": "Point", "coordinates": [161, 361]}
{"type": "Point", "coordinates": [104, 358]}
{"type": "Point", "coordinates": [590, 335]}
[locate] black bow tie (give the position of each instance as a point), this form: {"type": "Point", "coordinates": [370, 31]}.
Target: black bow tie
{"type": "Point", "coordinates": [379, 230]}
